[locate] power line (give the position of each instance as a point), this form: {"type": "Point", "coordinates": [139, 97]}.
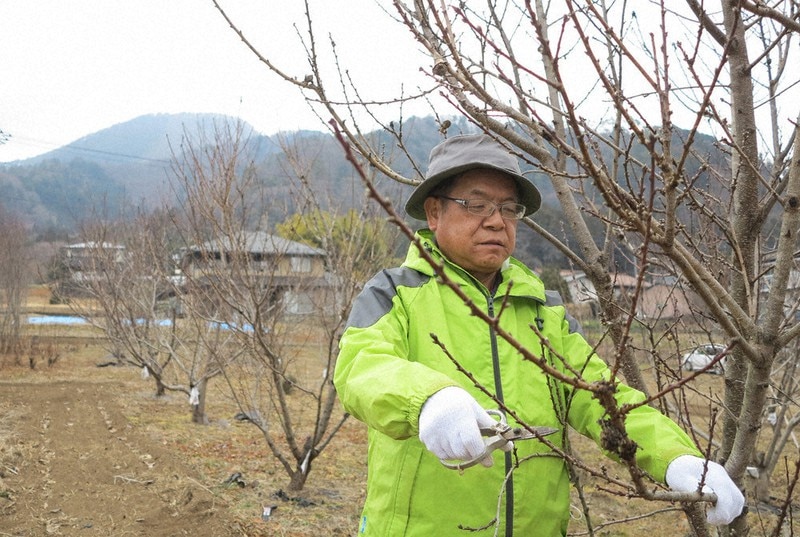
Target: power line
{"type": "Point", "coordinates": [72, 147]}
{"type": "Point", "coordinates": [4, 137]}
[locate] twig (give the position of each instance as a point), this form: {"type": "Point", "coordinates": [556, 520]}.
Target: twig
{"type": "Point", "coordinates": [10, 469]}
{"type": "Point", "coordinates": [132, 480]}
{"type": "Point", "coordinates": [625, 520]}
{"type": "Point", "coordinates": [786, 508]}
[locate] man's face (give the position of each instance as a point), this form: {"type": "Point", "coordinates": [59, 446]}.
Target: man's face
{"type": "Point", "coordinates": [479, 244]}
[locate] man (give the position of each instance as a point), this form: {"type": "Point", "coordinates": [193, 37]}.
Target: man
{"type": "Point", "coordinates": [421, 409]}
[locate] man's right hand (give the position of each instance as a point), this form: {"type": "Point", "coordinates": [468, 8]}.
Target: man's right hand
{"type": "Point", "coordinates": [449, 425]}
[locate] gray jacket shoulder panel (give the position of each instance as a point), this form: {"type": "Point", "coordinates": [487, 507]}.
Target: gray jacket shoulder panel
{"type": "Point", "coordinates": [375, 300]}
{"type": "Point", "coordinates": [553, 298]}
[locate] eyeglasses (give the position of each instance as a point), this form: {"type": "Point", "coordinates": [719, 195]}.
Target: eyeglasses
{"type": "Point", "coordinates": [485, 208]}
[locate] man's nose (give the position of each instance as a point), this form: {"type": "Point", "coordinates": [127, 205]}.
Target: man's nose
{"type": "Point", "coordinates": [495, 220]}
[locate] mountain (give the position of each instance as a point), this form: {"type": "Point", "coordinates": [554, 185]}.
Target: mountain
{"type": "Point", "coordinates": [145, 139]}
{"type": "Point", "coordinates": [96, 175]}
{"type": "Point", "coordinates": [130, 164]}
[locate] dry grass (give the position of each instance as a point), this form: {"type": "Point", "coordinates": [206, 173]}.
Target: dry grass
{"type": "Point", "coordinates": [328, 505]}
{"type": "Point", "coordinates": [10, 454]}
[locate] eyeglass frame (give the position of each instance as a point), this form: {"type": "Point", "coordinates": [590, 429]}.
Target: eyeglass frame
{"type": "Point", "coordinates": [465, 203]}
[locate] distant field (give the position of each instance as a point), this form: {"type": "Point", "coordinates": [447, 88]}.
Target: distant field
{"type": "Point", "coordinates": [38, 301]}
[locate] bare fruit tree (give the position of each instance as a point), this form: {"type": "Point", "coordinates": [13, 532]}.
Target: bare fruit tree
{"type": "Point", "coordinates": [14, 268]}
{"type": "Point", "coordinates": [611, 103]}
{"type": "Point", "coordinates": [126, 278]}
{"type": "Point", "coordinates": [283, 301]}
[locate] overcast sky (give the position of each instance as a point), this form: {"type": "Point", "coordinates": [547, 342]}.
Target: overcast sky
{"type": "Point", "coordinates": [69, 68]}
{"type": "Point", "coordinates": [72, 68]}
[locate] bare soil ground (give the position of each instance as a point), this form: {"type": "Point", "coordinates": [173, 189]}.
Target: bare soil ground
{"type": "Point", "coordinates": [80, 468]}
{"type": "Point", "coordinates": [89, 451]}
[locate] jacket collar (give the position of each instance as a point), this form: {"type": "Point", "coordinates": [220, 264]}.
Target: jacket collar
{"type": "Point", "coordinates": [525, 282]}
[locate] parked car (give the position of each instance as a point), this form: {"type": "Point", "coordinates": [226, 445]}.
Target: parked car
{"type": "Point", "coordinates": [701, 356]}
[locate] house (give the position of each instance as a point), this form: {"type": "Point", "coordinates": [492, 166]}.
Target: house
{"type": "Point", "coordinates": [83, 263]}
{"type": "Point", "coordinates": [658, 298]}
{"type": "Point", "coordinates": [582, 289]}
{"type": "Point", "coordinates": [667, 301]}
{"type": "Point", "coordinates": [88, 257]}
{"type": "Point", "coordinates": [294, 273]}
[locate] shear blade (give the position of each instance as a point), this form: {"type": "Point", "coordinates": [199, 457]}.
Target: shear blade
{"type": "Point", "coordinates": [535, 432]}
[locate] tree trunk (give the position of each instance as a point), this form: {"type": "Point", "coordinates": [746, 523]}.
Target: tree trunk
{"type": "Point", "coordinates": [762, 485]}
{"type": "Point", "coordinates": [160, 388]}
{"type": "Point", "coordinates": [300, 475]}
{"type": "Point", "coordinates": [199, 410]}
{"type": "Point", "coordinates": [298, 480]}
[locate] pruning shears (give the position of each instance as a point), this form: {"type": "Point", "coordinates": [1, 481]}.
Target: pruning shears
{"type": "Point", "coordinates": [499, 435]}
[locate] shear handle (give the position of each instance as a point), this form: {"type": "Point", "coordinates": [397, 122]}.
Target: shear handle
{"type": "Point", "coordinates": [497, 437]}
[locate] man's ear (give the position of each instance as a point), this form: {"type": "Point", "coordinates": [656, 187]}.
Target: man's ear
{"type": "Point", "coordinates": [433, 209]}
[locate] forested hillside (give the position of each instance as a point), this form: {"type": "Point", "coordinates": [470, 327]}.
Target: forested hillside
{"type": "Point", "coordinates": [130, 166]}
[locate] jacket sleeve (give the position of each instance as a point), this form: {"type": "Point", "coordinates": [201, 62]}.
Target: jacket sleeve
{"type": "Point", "coordinates": [659, 440]}
{"type": "Point", "coordinates": [376, 379]}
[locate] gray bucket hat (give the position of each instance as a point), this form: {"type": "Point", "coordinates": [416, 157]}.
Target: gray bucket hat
{"type": "Point", "coordinates": [467, 152]}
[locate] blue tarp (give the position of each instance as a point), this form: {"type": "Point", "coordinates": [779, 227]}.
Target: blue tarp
{"type": "Point", "coordinates": [73, 319]}
{"type": "Point", "coordinates": [56, 319]}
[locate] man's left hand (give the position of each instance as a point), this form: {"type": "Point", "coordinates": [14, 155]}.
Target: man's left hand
{"type": "Point", "coordinates": [684, 475]}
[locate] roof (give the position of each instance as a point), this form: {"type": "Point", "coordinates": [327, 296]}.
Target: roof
{"type": "Point", "coordinates": [618, 280]}
{"type": "Point", "coordinates": [92, 245]}
{"type": "Point", "coordinates": [624, 280]}
{"type": "Point", "coordinates": [259, 242]}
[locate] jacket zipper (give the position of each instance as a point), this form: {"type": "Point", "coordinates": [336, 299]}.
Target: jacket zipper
{"type": "Point", "coordinates": [498, 389]}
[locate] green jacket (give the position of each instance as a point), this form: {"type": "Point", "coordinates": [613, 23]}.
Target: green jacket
{"type": "Point", "coordinates": [389, 365]}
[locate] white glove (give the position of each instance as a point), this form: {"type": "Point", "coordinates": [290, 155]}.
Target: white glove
{"type": "Point", "coordinates": [449, 425]}
{"type": "Point", "coordinates": [684, 475]}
